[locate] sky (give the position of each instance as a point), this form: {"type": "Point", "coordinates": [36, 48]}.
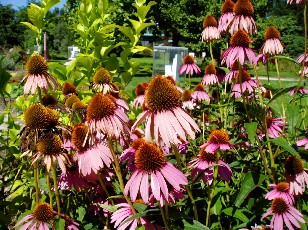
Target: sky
{"type": "Point", "coordinates": [23, 3]}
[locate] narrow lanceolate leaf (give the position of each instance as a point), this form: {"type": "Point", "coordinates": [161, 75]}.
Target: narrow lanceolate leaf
{"type": "Point", "coordinates": [194, 226]}
{"type": "Point", "coordinates": [285, 145]}
{"type": "Point", "coordinates": [236, 213]}
{"type": "Point", "coordinates": [251, 130]}
{"type": "Point", "coordinates": [250, 182]}
{"type": "Point", "coordinates": [281, 92]}
{"type": "Point", "coordinates": [293, 112]}
{"type": "Point", "coordinates": [284, 58]}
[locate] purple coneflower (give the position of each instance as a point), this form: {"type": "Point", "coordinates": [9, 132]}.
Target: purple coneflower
{"type": "Point", "coordinates": [303, 142]}
{"type": "Point", "coordinates": [140, 91]}
{"type": "Point", "coordinates": [171, 79]}
{"type": "Point", "coordinates": [210, 31]}
{"type": "Point", "coordinates": [37, 75]}
{"type": "Point", "coordinates": [272, 45]}
{"type": "Point", "coordinates": [102, 81]}
{"type": "Point", "coordinates": [218, 139]}
{"type": "Point", "coordinates": [239, 50]}
{"type": "Point", "coordinates": [129, 153]}
{"type": "Point", "coordinates": [275, 126]}
{"type": "Point", "coordinates": [166, 121]}
{"type": "Point", "coordinates": [243, 18]}
{"type": "Point", "coordinates": [301, 90]}
{"type": "Point", "coordinates": [226, 17]}
{"type": "Point", "coordinates": [70, 224]}
{"type": "Point", "coordinates": [40, 219]}
{"type": "Point", "coordinates": [281, 190]}
{"type": "Point", "coordinates": [210, 77]}
{"type": "Point", "coordinates": [189, 66]}
{"type": "Point", "coordinates": [200, 94]}
{"type": "Point", "coordinates": [152, 170]}
{"type": "Point", "coordinates": [104, 115]}
{"type": "Point", "coordinates": [303, 58]}
{"type": "Point", "coordinates": [187, 100]}
{"type": "Point", "coordinates": [284, 213]}
{"type": "Point", "coordinates": [296, 175]}
{"type": "Point", "coordinates": [123, 214]}
{"type": "Point", "coordinates": [91, 156]}
{"type": "Point", "coordinates": [203, 167]}
{"type": "Point", "coordinates": [173, 195]}
{"type": "Point", "coordinates": [244, 84]}
{"type": "Point", "coordinates": [231, 76]}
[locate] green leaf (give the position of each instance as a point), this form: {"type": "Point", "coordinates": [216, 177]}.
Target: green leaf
{"type": "Point", "coordinates": [60, 224]}
{"type": "Point", "coordinates": [142, 11]}
{"type": "Point", "coordinates": [33, 28]}
{"type": "Point", "coordinates": [102, 6]}
{"type": "Point", "coordinates": [293, 115]}
{"type": "Point", "coordinates": [58, 70]}
{"type": "Point", "coordinates": [36, 15]}
{"type": "Point", "coordinates": [285, 145]}
{"type": "Point", "coordinates": [47, 4]}
{"type": "Point", "coordinates": [284, 58]}
{"type": "Point", "coordinates": [127, 32]}
{"type": "Point", "coordinates": [112, 63]}
{"type": "Point", "coordinates": [138, 215]}
{"type": "Point", "coordinates": [281, 92]}
{"type": "Point", "coordinates": [81, 212]}
{"type": "Point", "coordinates": [251, 130]}
{"type": "Point", "coordinates": [109, 208]}
{"type": "Point", "coordinates": [236, 213]}
{"type": "Point", "coordinates": [195, 226]}
{"type": "Point", "coordinates": [250, 182]}
{"type": "Point", "coordinates": [4, 78]}
{"type": "Point", "coordinates": [140, 207]}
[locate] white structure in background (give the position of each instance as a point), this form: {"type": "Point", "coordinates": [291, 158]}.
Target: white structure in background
{"type": "Point", "coordinates": [167, 60]}
{"type": "Point", "coordinates": [72, 53]}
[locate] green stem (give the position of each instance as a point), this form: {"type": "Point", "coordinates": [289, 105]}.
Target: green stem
{"type": "Point", "coordinates": [164, 218]}
{"type": "Point", "coordinates": [49, 187]}
{"type": "Point", "coordinates": [104, 188]}
{"type": "Point", "coordinates": [241, 88]}
{"type": "Point", "coordinates": [37, 189]}
{"type": "Point", "coordinates": [54, 177]}
{"type": "Point", "coordinates": [211, 52]}
{"type": "Point", "coordinates": [40, 94]}
{"type": "Point", "coordinates": [189, 81]}
{"type": "Point", "coordinates": [280, 86]}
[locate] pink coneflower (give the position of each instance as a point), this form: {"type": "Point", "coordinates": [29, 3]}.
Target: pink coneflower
{"type": "Point", "coordinates": [296, 175]}
{"type": "Point", "coordinates": [239, 50]}
{"type": "Point", "coordinates": [123, 214]}
{"type": "Point", "coordinates": [218, 139]}
{"type": "Point", "coordinates": [243, 18]}
{"type": "Point", "coordinates": [296, 1]}
{"type": "Point", "coordinates": [102, 81]}
{"type": "Point", "coordinates": [226, 17]}
{"type": "Point", "coordinates": [173, 195]}
{"type": "Point", "coordinates": [280, 190]}
{"type": "Point", "coordinates": [210, 31]}
{"type": "Point", "coordinates": [272, 45]}
{"type": "Point", "coordinates": [166, 121]}
{"type": "Point", "coordinates": [187, 100]}
{"type": "Point", "coordinates": [70, 224]}
{"type": "Point", "coordinates": [41, 218]}
{"type": "Point", "coordinates": [189, 66]}
{"type": "Point", "coordinates": [200, 94]}
{"type": "Point", "coordinates": [129, 153]}
{"type": "Point", "coordinates": [139, 100]}
{"type": "Point", "coordinates": [171, 79]}
{"type": "Point", "coordinates": [284, 213]}
{"type": "Point", "coordinates": [301, 90]}
{"type": "Point", "coordinates": [303, 142]}
{"type": "Point", "coordinates": [244, 84]}
{"type": "Point", "coordinates": [275, 126]}
{"type": "Point", "coordinates": [91, 156]}
{"type": "Point", "coordinates": [303, 58]}
{"type": "Point", "coordinates": [37, 75]}
{"type": "Point", "coordinates": [105, 116]}
{"type": "Point", "coordinates": [203, 167]}
{"type": "Point", "coordinates": [152, 170]}
{"type": "Point", "coordinates": [231, 76]}
{"type": "Point", "coordinates": [210, 77]}
{"type": "Point", "coordinates": [72, 178]}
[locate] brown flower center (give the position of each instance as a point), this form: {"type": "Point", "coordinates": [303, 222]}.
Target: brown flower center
{"type": "Point", "coordinates": [68, 88]}
{"type": "Point", "coordinates": [43, 212]}
{"type": "Point", "coordinates": [209, 21]}
{"type": "Point", "coordinates": [51, 144]}
{"type": "Point", "coordinates": [79, 134]}
{"type": "Point", "coordinates": [245, 76]}
{"type": "Point", "coordinates": [209, 157]}
{"type": "Point", "coordinates": [240, 38]}
{"type": "Point", "coordinates": [267, 94]}
{"type": "Point", "coordinates": [269, 121]}
{"type": "Point", "coordinates": [161, 95]}
{"type": "Point", "coordinates": [137, 143]}
{"type": "Point", "coordinates": [188, 60]}
{"type": "Point", "coordinates": [219, 136]}
{"type": "Point", "coordinates": [186, 95]}
{"type": "Point", "coordinates": [282, 186]}
{"type": "Point", "coordinates": [49, 100]}
{"type": "Point", "coordinates": [210, 69]}
{"type": "Point", "coordinates": [102, 76]}
{"type": "Point", "coordinates": [293, 165]}
{"type": "Point", "coordinates": [71, 100]}
{"type": "Point", "coordinates": [37, 117]}
{"type": "Point", "coordinates": [149, 157]}
{"type": "Point", "coordinates": [171, 79]}
{"type": "Point", "coordinates": [227, 6]}
{"type": "Point", "coordinates": [235, 66]}
{"type": "Point", "coordinates": [271, 33]}
{"type": "Point", "coordinates": [243, 7]}
{"type": "Point", "coordinates": [36, 65]}
{"type": "Point", "coordinates": [140, 90]}
{"type": "Point", "coordinates": [279, 205]}
{"type": "Point", "coordinates": [53, 117]}
{"type": "Point", "coordinates": [199, 87]}
{"type": "Point", "coordinates": [78, 105]}
{"type": "Point", "coordinates": [100, 106]}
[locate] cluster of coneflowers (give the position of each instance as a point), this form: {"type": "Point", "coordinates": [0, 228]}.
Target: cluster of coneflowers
{"type": "Point", "coordinates": [151, 158]}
